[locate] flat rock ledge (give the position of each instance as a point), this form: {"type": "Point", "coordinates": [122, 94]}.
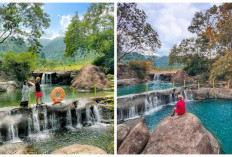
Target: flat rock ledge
{"type": "Point", "coordinates": [79, 149]}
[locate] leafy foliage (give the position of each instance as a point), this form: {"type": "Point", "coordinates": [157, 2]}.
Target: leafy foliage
{"type": "Point", "coordinates": [15, 17]}
{"type": "Point", "coordinates": [93, 33]}
{"type": "Point", "coordinates": [19, 65]}
{"type": "Point", "coordinates": [133, 33]}
{"type": "Point", "coordinates": [222, 67]}
{"type": "Point", "coordinates": [140, 67]}
{"type": "Point", "coordinates": [213, 41]}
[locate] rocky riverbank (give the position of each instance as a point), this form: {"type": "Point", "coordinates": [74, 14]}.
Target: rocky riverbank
{"type": "Point", "coordinates": [174, 135]}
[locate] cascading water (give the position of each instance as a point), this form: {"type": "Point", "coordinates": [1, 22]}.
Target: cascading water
{"type": "Point", "coordinates": [54, 121]}
{"type": "Point", "coordinates": [79, 119]}
{"type": "Point", "coordinates": [89, 117]}
{"type": "Point", "coordinates": [157, 77]}
{"type": "Point", "coordinates": [12, 132]}
{"type": "Point", "coordinates": [1, 137]}
{"type": "Point", "coordinates": [45, 127]}
{"type": "Point", "coordinates": [35, 118]}
{"type": "Point", "coordinates": [47, 78]}
{"type": "Point", "coordinates": [148, 103]}
{"type": "Point", "coordinates": [96, 111]}
{"type": "Point", "coordinates": [69, 118]}
{"type": "Point", "coordinates": [29, 126]}
{"type": "Point", "coordinates": [170, 98]}
{"type": "Point", "coordinates": [155, 101]}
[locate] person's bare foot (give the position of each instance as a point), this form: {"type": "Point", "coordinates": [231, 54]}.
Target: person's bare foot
{"type": "Point", "coordinates": [171, 115]}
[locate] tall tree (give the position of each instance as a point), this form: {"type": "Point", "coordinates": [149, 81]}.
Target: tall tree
{"type": "Point", "coordinates": [133, 33]}
{"type": "Point", "coordinates": [213, 40]}
{"type": "Point", "coordinates": [93, 33]}
{"type": "Point", "coordinates": [23, 21]}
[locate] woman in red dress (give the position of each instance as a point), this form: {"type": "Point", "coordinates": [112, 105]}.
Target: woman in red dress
{"type": "Point", "coordinates": [180, 106]}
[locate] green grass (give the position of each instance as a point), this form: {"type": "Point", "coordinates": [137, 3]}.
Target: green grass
{"type": "Point", "coordinates": [61, 68]}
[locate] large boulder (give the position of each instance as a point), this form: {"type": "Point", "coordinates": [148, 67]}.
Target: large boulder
{"type": "Point", "coordinates": [133, 122]}
{"type": "Point", "coordinates": [89, 76]}
{"type": "Point", "coordinates": [136, 140]}
{"type": "Point", "coordinates": [8, 86]}
{"type": "Point", "coordinates": [180, 76]}
{"type": "Point", "coordinates": [79, 149]}
{"type": "Point", "coordinates": [122, 132]}
{"type": "Point", "coordinates": [18, 147]}
{"type": "Point", "coordinates": [183, 134]}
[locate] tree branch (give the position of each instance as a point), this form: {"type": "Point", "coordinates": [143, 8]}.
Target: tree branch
{"type": "Point", "coordinates": [6, 36]}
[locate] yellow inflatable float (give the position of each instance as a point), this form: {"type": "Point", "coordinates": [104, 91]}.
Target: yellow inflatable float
{"type": "Point", "coordinates": [54, 92]}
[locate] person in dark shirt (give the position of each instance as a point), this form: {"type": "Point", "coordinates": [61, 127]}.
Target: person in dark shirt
{"type": "Point", "coordinates": [180, 106]}
{"type": "Point", "coordinates": [38, 91]}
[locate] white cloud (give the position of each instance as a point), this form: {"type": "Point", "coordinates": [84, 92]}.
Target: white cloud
{"type": "Point", "coordinates": [170, 20]}
{"type": "Point", "coordinates": [65, 21]}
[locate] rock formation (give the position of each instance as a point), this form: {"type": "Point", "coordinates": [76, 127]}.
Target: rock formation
{"type": "Point", "coordinates": [127, 76]}
{"type": "Point", "coordinates": [122, 132]}
{"type": "Point", "coordinates": [136, 140]}
{"type": "Point", "coordinates": [79, 149]}
{"type": "Point", "coordinates": [181, 135]}
{"type": "Point", "coordinates": [180, 76]}
{"type": "Point", "coordinates": [8, 86]}
{"type": "Point", "coordinates": [89, 76]}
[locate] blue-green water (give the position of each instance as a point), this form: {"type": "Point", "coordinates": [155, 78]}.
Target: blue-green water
{"type": "Point", "coordinates": [215, 115]}
{"type": "Point", "coordinates": [152, 85]}
{"type": "Point", "coordinates": [15, 97]}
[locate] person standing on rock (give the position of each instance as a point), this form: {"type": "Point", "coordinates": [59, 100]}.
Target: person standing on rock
{"type": "Point", "coordinates": [180, 106]}
{"type": "Point", "coordinates": [25, 94]}
{"type": "Point", "coordinates": [38, 91]}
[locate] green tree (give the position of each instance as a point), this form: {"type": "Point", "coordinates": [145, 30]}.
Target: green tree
{"type": "Point", "coordinates": [212, 43]}
{"type": "Point", "coordinates": [93, 33]}
{"type": "Point", "coordinates": [19, 65]}
{"type": "Point", "coordinates": [133, 33]}
{"type": "Point", "coordinates": [23, 21]}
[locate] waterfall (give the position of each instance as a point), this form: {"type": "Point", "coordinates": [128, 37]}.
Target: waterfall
{"type": "Point", "coordinates": [53, 121]}
{"type": "Point", "coordinates": [132, 112]}
{"type": "Point", "coordinates": [35, 118]}
{"type": "Point", "coordinates": [120, 115]}
{"type": "Point", "coordinates": [43, 79]}
{"type": "Point", "coordinates": [79, 120]}
{"type": "Point", "coordinates": [47, 78]}
{"type": "Point", "coordinates": [68, 118]}
{"type": "Point", "coordinates": [12, 132]}
{"type": "Point", "coordinates": [170, 98]}
{"type": "Point", "coordinates": [148, 103]}
{"type": "Point", "coordinates": [155, 101]}
{"type": "Point", "coordinates": [96, 111]}
{"type": "Point", "coordinates": [0, 137]}
{"type": "Point", "coordinates": [29, 126]}
{"type": "Point", "coordinates": [89, 117]}
{"type": "Point", "coordinates": [157, 77]}
{"type": "Point", "coordinates": [45, 127]}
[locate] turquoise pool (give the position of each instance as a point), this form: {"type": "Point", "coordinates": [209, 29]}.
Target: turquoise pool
{"type": "Point", "coordinates": [216, 116]}
{"type": "Point", "coordinates": [140, 88]}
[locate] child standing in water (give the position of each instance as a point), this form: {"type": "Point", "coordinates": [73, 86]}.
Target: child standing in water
{"type": "Point", "coordinates": [38, 91]}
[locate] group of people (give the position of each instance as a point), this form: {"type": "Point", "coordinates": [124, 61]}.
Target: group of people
{"type": "Point", "coordinates": [26, 90]}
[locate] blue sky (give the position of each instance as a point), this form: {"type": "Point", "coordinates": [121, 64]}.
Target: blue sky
{"type": "Point", "coordinates": [60, 15]}
{"type": "Point", "coordinates": [171, 21]}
